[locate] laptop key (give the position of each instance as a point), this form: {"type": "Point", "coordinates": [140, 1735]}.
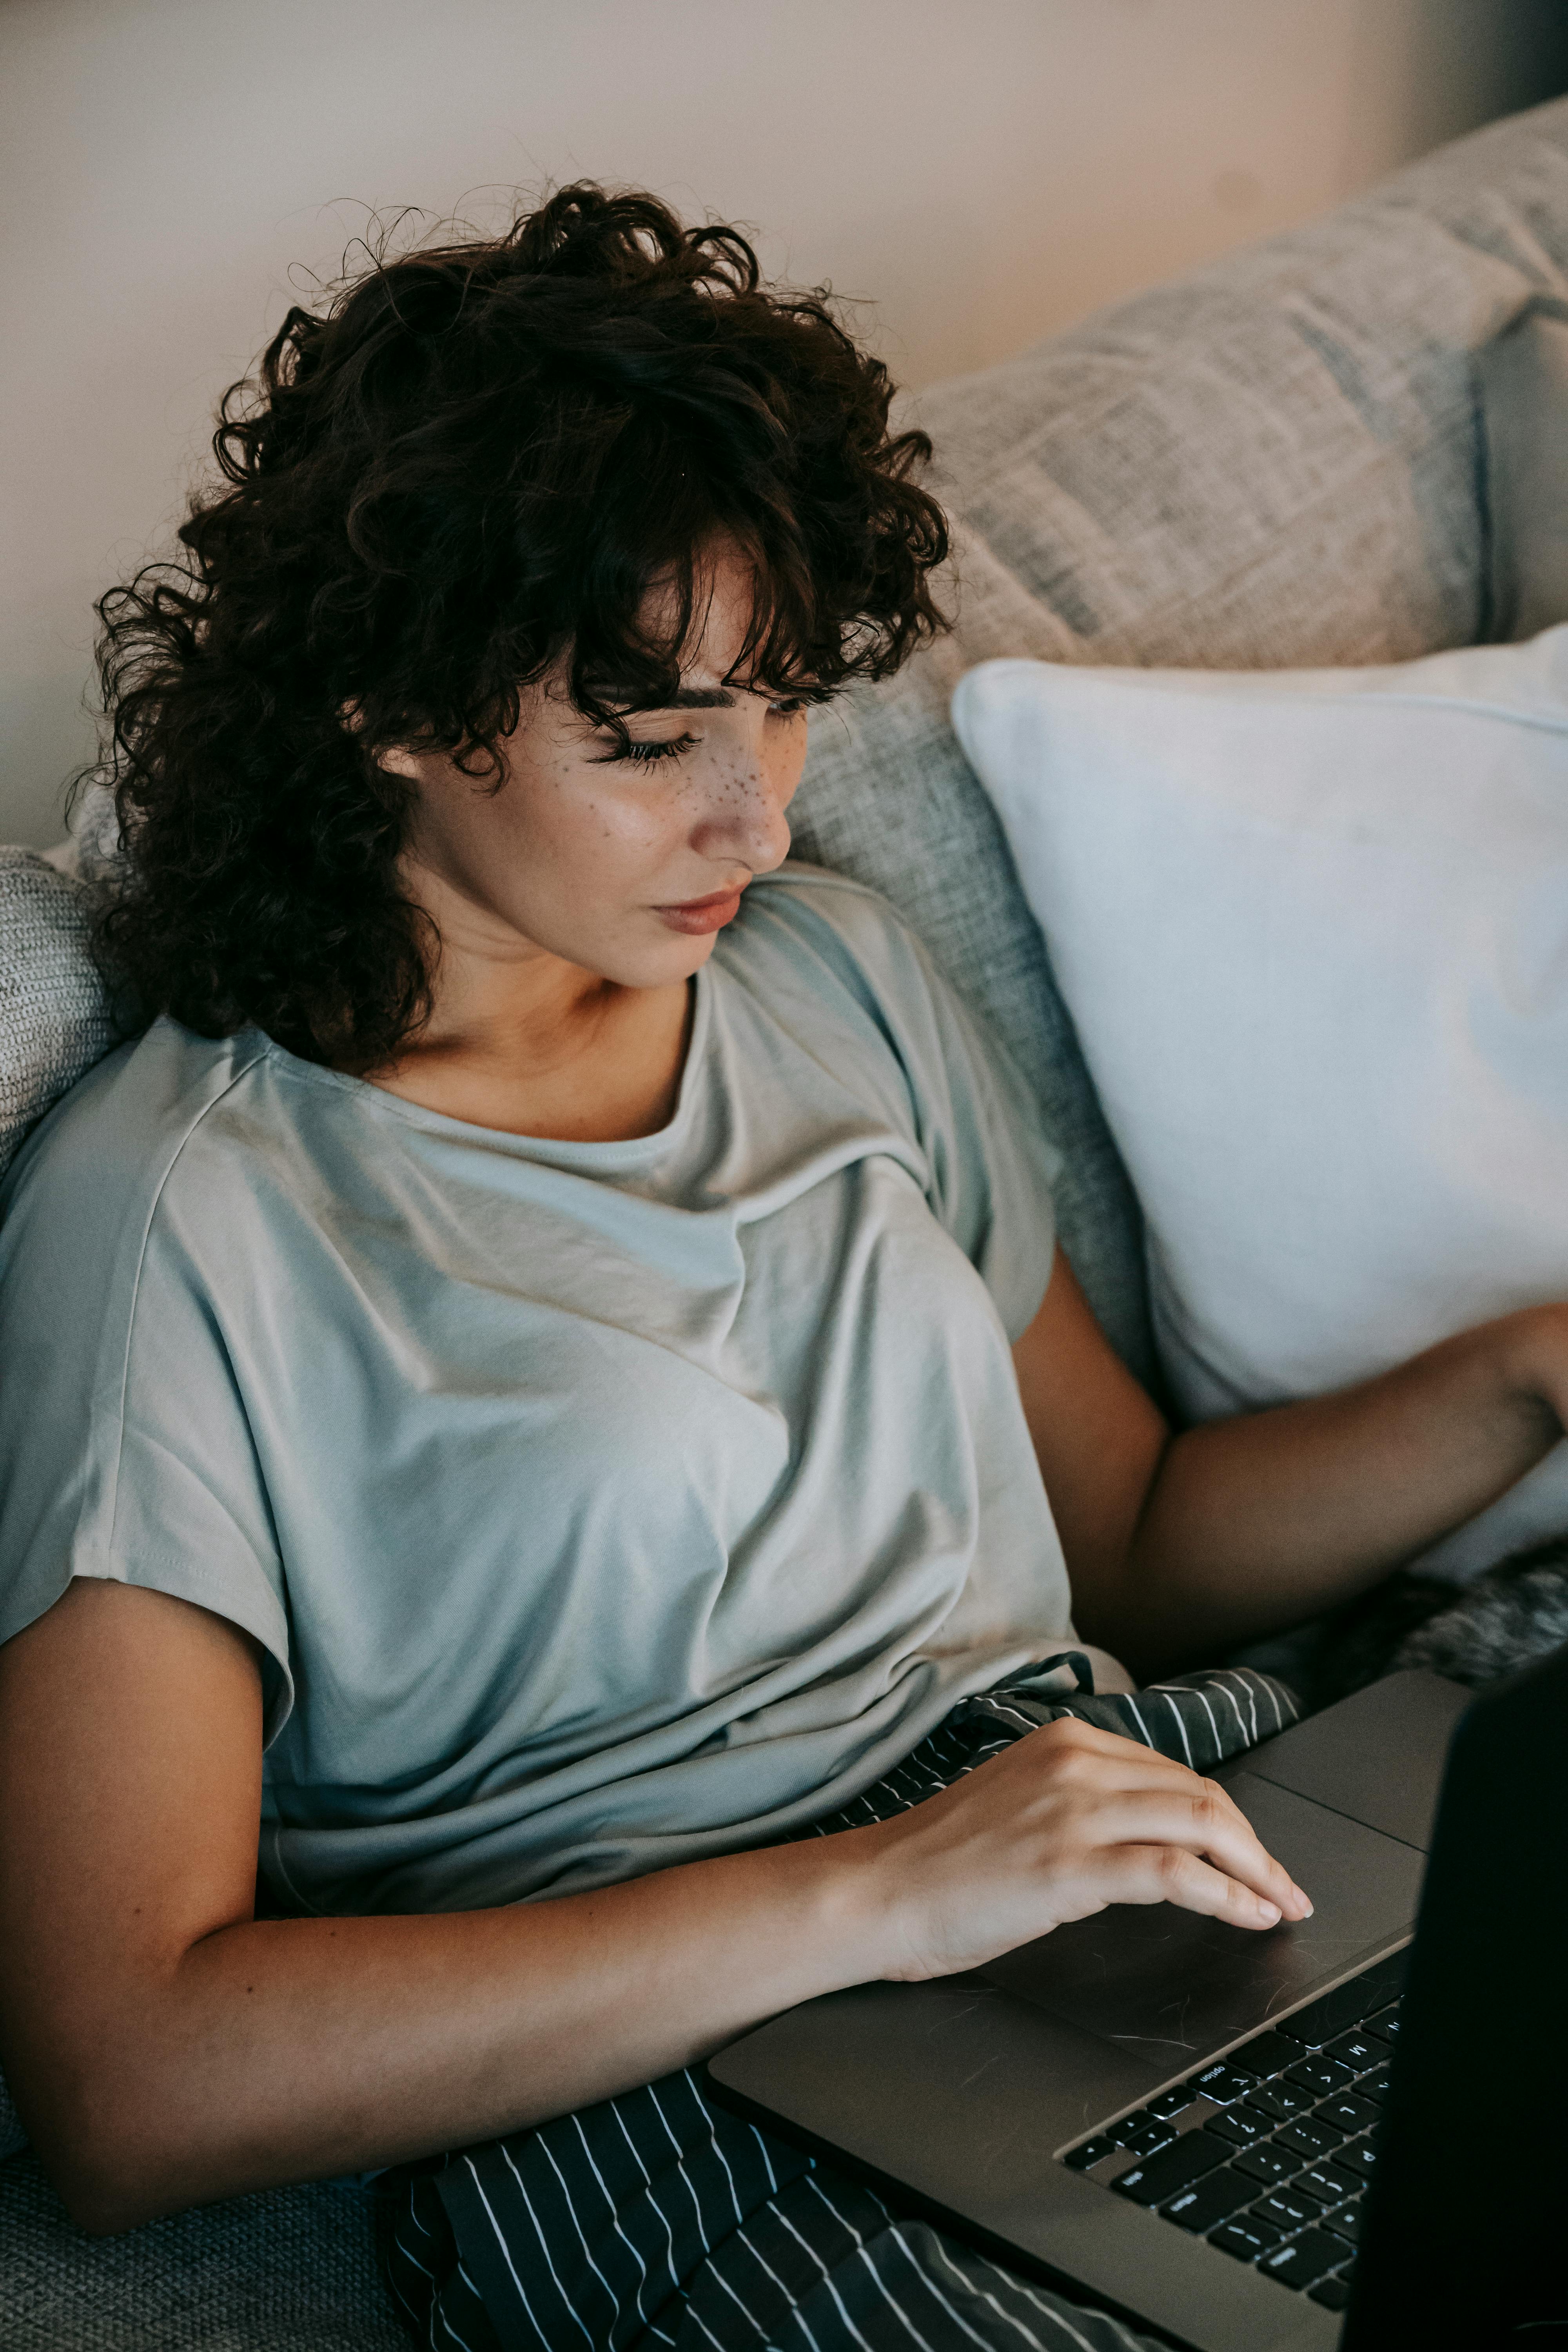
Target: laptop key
{"type": "Point", "coordinates": [1221, 2082]}
{"type": "Point", "coordinates": [1080, 2159]}
{"type": "Point", "coordinates": [1267, 2054]}
{"type": "Point", "coordinates": [1280, 2100]}
{"type": "Point", "coordinates": [1330, 2014]}
{"type": "Point", "coordinates": [1385, 2027]}
{"type": "Point", "coordinates": [1266, 2162]}
{"type": "Point", "coordinates": [1130, 2131]}
{"type": "Point", "coordinates": [1348, 2112]}
{"type": "Point", "coordinates": [1306, 2138]}
{"type": "Point", "coordinates": [1358, 2157]}
{"type": "Point", "coordinates": [1346, 2222]}
{"type": "Point", "coordinates": [1321, 2074]}
{"type": "Point", "coordinates": [1289, 2209]}
{"type": "Point", "coordinates": [1334, 2294]}
{"type": "Point", "coordinates": [1241, 2126]}
{"type": "Point", "coordinates": [1213, 2199]}
{"type": "Point", "coordinates": [1170, 2103]}
{"type": "Point", "coordinates": [1302, 2261]}
{"type": "Point", "coordinates": [1246, 2239]}
{"type": "Point", "coordinates": [1375, 2087]}
{"type": "Point", "coordinates": [1160, 2177]}
{"type": "Point", "coordinates": [1357, 2050]}
{"type": "Point", "coordinates": [1323, 2184]}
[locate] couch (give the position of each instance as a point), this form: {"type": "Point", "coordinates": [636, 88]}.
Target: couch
{"type": "Point", "coordinates": [1306, 454]}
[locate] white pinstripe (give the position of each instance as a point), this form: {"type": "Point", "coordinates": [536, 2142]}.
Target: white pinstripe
{"type": "Point", "coordinates": [615, 2223]}
{"type": "Point", "coordinates": [744, 2309]}
{"type": "Point", "coordinates": [1230, 1696]}
{"type": "Point", "coordinates": [614, 2300]}
{"type": "Point", "coordinates": [392, 2279]}
{"type": "Point", "coordinates": [436, 2311]}
{"type": "Point", "coordinates": [500, 2240]}
{"type": "Point", "coordinates": [702, 2110]}
{"type": "Point", "coordinates": [543, 2248]}
{"type": "Point", "coordinates": [647, 2187]}
{"type": "Point", "coordinates": [862, 2255]}
{"type": "Point", "coordinates": [1046, 2310]}
{"type": "Point", "coordinates": [1181, 1727]}
{"type": "Point", "coordinates": [1218, 1744]}
{"type": "Point", "coordinates": [974, 2287]}
{"type": "Point", "coordinates": [1055, 2315]}
{"type": "Point", "coordinates": [451, 2331]}
{"type": "Point", "coordinates": [681, 2168]}
{"type": "Point", "coordinates": [827, 2281]}
{"type": "Point", "coordinates": [784, 2290]}
{"type": "Point", "coordinates": [926, 2280]}
{"type": "Point", "coordinates": [767, 2159]}
{"type": "Point", "coordinates": [696, 2319]}
{"type": "Point", "coordinates": [1141, 1724]}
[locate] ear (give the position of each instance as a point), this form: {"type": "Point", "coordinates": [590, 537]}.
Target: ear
{"type": "Point", "coordinates": [395, 761]}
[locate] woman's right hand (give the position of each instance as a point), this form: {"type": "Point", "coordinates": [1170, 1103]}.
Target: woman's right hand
{"type": "Point", "coordinates": [1064, 1822]}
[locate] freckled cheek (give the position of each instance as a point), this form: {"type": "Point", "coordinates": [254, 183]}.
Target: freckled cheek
{"type": "Point", "coordinates": [606, 835]}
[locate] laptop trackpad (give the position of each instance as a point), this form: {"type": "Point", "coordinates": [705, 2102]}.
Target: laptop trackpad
{"type": "Point", "coordinates": [1169, 1986]}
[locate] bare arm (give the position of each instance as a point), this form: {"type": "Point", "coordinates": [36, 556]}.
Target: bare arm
{"type": "Point", "coordinates": [1179, 1547]}
{"type": "Point", "coordinates": [166, 2047]}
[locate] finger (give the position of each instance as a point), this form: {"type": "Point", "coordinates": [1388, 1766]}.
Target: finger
{"type": "Point", "coordinates": [1106, 1764]}
{"type": "Point", "coordinates": [1085, 1744]}
{"type": "Point", "coordinates": [1170, 1873]}
{"type": "Point", "coordinates": [1204, 1825]}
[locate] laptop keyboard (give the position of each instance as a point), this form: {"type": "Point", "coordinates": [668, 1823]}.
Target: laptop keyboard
{"type": "Point", "coordinates": [1268, 2153]}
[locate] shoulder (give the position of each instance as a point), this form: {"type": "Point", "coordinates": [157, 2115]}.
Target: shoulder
{"type": "Point", "coordinates": [803, 927]}
{"type": "Point", "coordinates": [91, 1174]}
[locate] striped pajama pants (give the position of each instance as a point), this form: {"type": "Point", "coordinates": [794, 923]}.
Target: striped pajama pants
{"type": "Point", "coordinates": [658, 2219]}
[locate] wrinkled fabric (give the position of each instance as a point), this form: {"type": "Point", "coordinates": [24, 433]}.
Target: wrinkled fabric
{"type": "Point", "coordinates": [595, 1506]}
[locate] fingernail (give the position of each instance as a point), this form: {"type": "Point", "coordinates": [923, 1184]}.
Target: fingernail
{"type": "Point", "coordinates": [1269, 1910]}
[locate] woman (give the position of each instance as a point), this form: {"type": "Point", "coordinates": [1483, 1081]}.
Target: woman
{"type": "Point", "coordinates": [555, 1333]}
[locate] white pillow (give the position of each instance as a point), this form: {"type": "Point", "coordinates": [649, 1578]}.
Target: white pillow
{"type": "Point", "coordinates": [1313, 929]}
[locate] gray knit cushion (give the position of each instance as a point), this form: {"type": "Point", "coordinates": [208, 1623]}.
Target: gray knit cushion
{"type": "Point", "coordinates": [1272, 463]}
{"type": "Point", "coordinates": [55, 1015]}
{"type": "Point", "coordinates": [290, 2269]}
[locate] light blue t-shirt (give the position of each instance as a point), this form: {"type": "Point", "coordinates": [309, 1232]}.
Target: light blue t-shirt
{"type": "Point", "coordinates": [595, 1506]}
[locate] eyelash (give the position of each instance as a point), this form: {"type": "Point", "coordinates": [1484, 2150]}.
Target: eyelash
{"type": "Point", "coordinates": [645, 755]}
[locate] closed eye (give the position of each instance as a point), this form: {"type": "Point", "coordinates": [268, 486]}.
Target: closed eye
{"type": "Point", "coordinates": [643, 755]}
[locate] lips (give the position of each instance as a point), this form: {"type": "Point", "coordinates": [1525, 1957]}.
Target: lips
{"type": "Point", "coordinates": [697, 915]}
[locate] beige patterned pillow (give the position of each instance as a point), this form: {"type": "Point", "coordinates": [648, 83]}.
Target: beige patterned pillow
{"type": "Point", "coordinates": [55, 1019]}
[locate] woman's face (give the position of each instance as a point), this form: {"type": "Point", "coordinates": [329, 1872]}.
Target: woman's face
{"type": "Point", "coordinates": [624, 864]}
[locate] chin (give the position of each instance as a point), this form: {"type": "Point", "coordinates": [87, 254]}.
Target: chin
{"type": "Point", "coordinates": [659, 963]}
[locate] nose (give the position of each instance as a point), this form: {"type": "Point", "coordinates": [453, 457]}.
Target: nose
{"type": "Point", "coordinates": [751, 785]}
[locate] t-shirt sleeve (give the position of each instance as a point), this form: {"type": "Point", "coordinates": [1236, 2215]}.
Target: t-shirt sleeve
{"type": "Point", "coordinates": [125, 1450]}
{"type": "Point", "coordinates": [990, 1166]}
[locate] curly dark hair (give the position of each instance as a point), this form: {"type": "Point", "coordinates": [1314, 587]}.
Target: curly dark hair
{"type": "Point", "coordinates": [467, 472]}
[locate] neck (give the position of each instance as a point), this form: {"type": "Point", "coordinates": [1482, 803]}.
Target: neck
{"type": "Point", "coordinates": [522, 1040]}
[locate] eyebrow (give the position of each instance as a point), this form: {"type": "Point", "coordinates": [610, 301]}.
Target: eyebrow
{"type": "Point", "coordinates": [689, 697]}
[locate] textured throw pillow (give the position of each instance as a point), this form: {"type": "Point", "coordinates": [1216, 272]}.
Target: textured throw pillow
{"type": "Point", "coordinates": [1312, 929]}
{"type": "Point", "coordinates": [55, 1015]}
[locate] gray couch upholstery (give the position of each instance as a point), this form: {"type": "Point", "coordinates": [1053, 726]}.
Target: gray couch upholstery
{"type": "Point", "coordinates": [1280, 460]}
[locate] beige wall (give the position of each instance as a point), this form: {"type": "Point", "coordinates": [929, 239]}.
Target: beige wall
{"type": "Point", "coordinates": [980, 171]}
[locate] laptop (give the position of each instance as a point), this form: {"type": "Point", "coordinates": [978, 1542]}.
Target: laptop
{"type": "Point", "coordinates": [1323, 2134]}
